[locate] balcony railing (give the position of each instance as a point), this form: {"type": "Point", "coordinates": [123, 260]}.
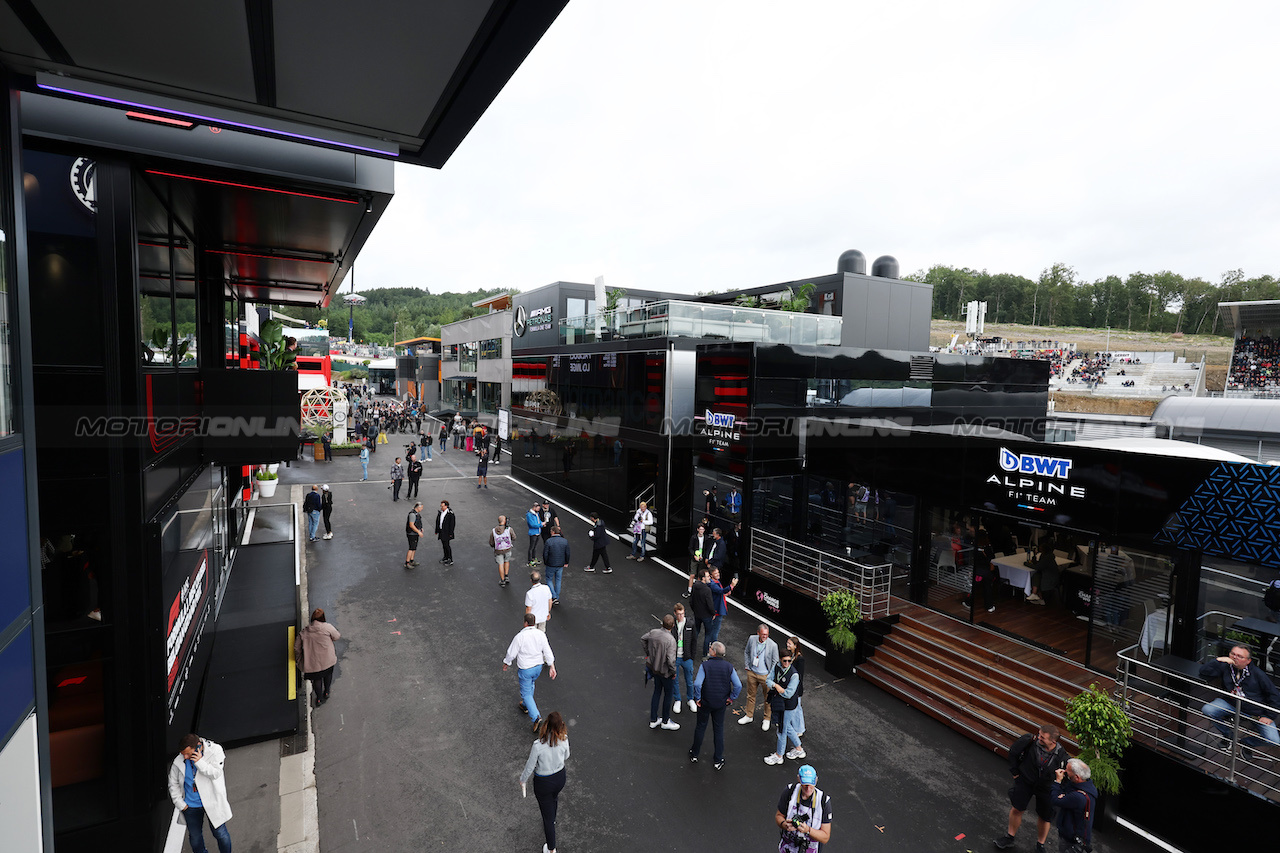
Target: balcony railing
{"type": "Point", "coordinates": [673, 319]}
{"type": "Point", "coordinates": [1164, 699]}
{"type": "Point", "coordinates": [815, 573]}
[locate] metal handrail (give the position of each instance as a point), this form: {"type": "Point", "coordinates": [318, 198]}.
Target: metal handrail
{"type": "Point", "coordinates": [1165, 708]}
{"type": "Point", "coordinates": [815, 573]}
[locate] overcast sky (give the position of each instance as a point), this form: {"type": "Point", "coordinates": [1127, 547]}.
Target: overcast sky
{"type": "Point", "coordinates": [700, 145]}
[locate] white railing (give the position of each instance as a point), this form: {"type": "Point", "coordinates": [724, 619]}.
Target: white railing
{"type": "Point", "coordinates": [815, 573]}
{"type": "Point", "coordinates": [1163, 700]}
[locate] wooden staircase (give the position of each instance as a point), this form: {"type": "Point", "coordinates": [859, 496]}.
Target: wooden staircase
{"type": "Point", "coordinates": [980, 683]}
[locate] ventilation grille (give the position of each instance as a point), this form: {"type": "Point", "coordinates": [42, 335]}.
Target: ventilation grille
{"type": "Point", "coordinates": [922, 368]}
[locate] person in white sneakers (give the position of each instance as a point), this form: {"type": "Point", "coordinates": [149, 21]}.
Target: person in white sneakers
{"type": "Point", "coordinates": [784, 681]}
{"type": "Point", "coordinates": [538, 600]}
{"type": "Point", "coordinates": [761, 656]}
{"type": "Point", "coordinates": [660, 662]}
{"type": "Point", "coordinates": [684, 635]}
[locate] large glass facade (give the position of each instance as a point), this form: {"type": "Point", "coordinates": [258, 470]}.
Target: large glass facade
{"type": "Point", "coordinates": [467, 357]}
{"type": "Point", "coordinates": [490, 397]}
{"type": "Point", "coordinates": [621, 389]}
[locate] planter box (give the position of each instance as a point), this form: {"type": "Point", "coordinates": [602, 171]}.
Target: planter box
{"type": "Point", "coordinates": [346, 451]}
{"type": "Point", "coordinates": [840, 664]}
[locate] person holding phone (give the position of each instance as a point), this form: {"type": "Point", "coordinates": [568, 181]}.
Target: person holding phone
{"type": "Point", "coordinates": [198, 790]}
{"type": "Point", "coordinates": [804, 814]}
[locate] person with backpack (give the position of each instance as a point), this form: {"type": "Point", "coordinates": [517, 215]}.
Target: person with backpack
{"type": "Point", "coordinates": [1033, 760]}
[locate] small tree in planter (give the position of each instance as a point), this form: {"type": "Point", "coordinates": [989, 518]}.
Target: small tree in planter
{"type": "Point", "coordinates": [1102, 729]}
{"type": "Point", "coordinates": [267, 482]}
{"type": "Point", "coordinates": [841, 609]}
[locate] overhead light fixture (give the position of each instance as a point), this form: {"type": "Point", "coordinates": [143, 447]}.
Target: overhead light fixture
{"type": "Point", "coordinates": [151, 118]}
{"type": "Point", "coordinates": [251, 186]}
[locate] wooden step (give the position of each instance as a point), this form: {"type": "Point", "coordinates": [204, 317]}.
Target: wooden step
{"type": "Point", "coordinates": [965, 724]}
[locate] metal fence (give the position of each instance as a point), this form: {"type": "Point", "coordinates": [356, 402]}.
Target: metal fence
{"type": "Point", "coordinates": [815, 573]}
{"type": "Point", "coordinates": [1164, 701]}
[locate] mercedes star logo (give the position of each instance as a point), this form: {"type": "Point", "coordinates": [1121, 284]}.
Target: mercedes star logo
{"type": "Point", "coordinates": [522, 321]}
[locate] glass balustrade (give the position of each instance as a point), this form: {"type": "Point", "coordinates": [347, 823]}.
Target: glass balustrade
{"type": "Point", "coordinates": [673, 319]}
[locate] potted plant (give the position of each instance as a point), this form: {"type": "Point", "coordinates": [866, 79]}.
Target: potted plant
{"type": "Point", "coordinates": [267, 482]}
{"type": "Point", "coordinates": [275, 353]}
{"type": "Point", "coordinates": [842, 612]}
{"type": "Point", "coordinates": [1102, 729]}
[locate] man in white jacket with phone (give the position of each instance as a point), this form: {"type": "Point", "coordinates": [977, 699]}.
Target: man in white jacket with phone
{"type": "Point", "coordinates": [198, 790]}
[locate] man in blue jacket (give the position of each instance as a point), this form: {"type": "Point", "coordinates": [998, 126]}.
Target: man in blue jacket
{"type": "Point", "coordinates": [555, 556]}
{"type": "Point", "coordinates": [719, 595]}
{"type": "Point", "coordinates": [1237, 675]}
{"type": "Point", "coordinates": [534, 521]}
{"type": "Point", "coordinates": [1076, 799]}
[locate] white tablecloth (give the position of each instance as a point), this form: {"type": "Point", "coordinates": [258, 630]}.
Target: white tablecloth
{"type": "Point", "coordinates": [1014, 573]}
{"type": "Point", "coordinates": [1153, 628]}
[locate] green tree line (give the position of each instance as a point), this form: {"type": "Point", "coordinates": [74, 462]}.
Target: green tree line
{"type": "Point", "coordinates": [1145, 302]}
{"type": "Point", "coordinates": [396, 313]}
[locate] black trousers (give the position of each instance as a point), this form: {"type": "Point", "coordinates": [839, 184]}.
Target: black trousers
{"type": "Point", "coordinates": [533, 547]}
{"type": "Point", "coordinates": [600, 554]}
{"type": "Point", "coordinates": [412, 491]}
{"type": "Point", "coordinates": [321, 682]}
{"type": "Point", "coordinates": [716, 717]}
{"type": "Point", "coordinates": [328, 528]}
{"type": "Point", "coordinates": [395, 489]}
{"type": "Point", "coordinates": [547, 791]}
{"type": "Point", "coordinates": [447, 545]}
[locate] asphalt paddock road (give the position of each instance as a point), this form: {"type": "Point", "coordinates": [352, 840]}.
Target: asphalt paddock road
{"type": "Point", "coordinates": [421, 744]}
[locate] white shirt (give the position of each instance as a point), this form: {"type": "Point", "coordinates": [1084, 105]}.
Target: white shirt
{"type": "Point", "coordinates": [538, 600]}
{"type": "Point", "coordinates": [529, 648]}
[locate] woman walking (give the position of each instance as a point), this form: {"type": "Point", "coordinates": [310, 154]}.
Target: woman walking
{"type": "Point", "coordinates": [797, 663]}
{"type": "Point", "coordinates": [546, 766]}
{"type": "Point", "coordinates": [315, 643]}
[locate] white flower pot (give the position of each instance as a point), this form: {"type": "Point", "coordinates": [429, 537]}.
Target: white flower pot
{"type": "Point", "coordinates": [267, 488]}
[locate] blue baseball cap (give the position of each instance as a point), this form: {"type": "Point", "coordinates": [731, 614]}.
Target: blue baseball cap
{"type": "Point", "coordinates": [808, 776]}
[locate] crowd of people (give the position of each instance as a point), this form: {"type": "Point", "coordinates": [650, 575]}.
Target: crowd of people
{"type": "Point", "coordinates": [1255, 364]}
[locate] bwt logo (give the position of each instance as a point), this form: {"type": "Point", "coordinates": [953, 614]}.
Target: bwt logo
{"type": "Point", "coordinates": [715, 419]}
{"type": "Point", "coordinates": [1030, 463]}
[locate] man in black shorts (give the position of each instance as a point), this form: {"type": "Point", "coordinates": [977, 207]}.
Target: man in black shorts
{"type": "Point", "coordinates": [413, 530]}
{"type": "Point", "coordinates": [1034, 761]}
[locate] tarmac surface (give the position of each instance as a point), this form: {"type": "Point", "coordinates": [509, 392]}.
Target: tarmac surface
{"type": "Point", "coordinates": [421, 744]}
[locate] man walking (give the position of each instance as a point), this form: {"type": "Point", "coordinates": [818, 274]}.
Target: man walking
{"type": "Point", "coordinates": [529, 650]}
{"type": "Point", "coordinates": [533, 520]}
{"type": "Point", "coordinates": [761, 655]}
{"type": "Point", "coordinates": [684, 635]}
{"type": "Point", "coordinates": [397, 478]}
{"type": "Point", "coordinates": [599, 539]}
{"type": "Point", "coordinates": [413, 531]}
{"type": "Point", "coordinates": [446, 522]}
{"type": "Point", "coordinates": [311, 505]}
{"type": "Point", "coordinates": [804, 814]}
{"type": "Point", "coordinates": [660, 659]}
{"type": "Point", "coordinates": [198, 789]}
{"type": "Point", "coordinates": [714, 690]}
{"type": "Point", "coordinates": [1033, 760]}
{"type": "Point", "coordinates": [326, 509]}
{"type": "Point", "coordinates": [500, 541]}
{"type": "Point", "coordinates": [415, 474]}
{"type": "Point", "coordinates": [555, 556]}
{"type": "Point", "coordinates": [537, 601]}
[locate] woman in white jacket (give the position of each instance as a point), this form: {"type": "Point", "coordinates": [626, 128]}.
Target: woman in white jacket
{"type": "Point", "coordinates": [197, 789]}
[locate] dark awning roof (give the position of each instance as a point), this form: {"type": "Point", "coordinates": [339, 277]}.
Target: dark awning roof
{"type": "Point", "coordinates": [1250, 316]}
{"type": "Point", "coordinates": [398, 78]}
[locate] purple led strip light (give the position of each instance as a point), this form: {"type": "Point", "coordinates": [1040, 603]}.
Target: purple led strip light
{"type": "Point", "coordinates": [218, 122]}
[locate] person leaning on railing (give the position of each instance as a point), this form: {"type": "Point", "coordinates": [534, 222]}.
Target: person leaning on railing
{"type": "Point", "coordinates": [1237, 675]}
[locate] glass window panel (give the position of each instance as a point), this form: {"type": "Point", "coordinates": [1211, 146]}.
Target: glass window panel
{"type": "Point", "coordinates": [467, 357]}
{"type": "Point", "coordinates": [7, 424]}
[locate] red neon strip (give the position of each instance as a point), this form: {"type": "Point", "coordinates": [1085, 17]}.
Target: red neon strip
{"type": "Point", "coordinates": [250, 186]}
{"type": "Point", "coordinates": [731, 392]}
{"type": "Point", "coordinates": [66, 682]}
{"type": "Point", "coordinates": [268, 257]}
{"type": "Point", "coordinates": [175, 122]}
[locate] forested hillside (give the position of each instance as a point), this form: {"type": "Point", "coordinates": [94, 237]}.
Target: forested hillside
{"type": "Point", "coordinates": [1149, 302]}
{"type": "Point", "coordinates": [399, 312]}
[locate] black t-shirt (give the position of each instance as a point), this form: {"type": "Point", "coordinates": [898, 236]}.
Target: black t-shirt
{"type": "Point", "coordinates": [415, 467]}
{"type": "Point", "coordinates": [414, 519]}
{"type": "Point", "coordinates": [784, 803]}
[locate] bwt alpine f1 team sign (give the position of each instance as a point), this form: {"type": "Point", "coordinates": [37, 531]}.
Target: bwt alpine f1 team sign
{"type": "Point", "coordinates": [1034, 481]}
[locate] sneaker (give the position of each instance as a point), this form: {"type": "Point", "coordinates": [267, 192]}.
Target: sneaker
{"type": "Point", "coordinates": [1224, 745]}
{"type": "Point", "coordinates": [536, 723]}
{"type": "Point", "coordinates": [1037, 600]}
{"type": "Point", "coordinates": [773, 758]}
{"type": "Point", "coordinates": [670, 726]}
{"type": "Point", "coordinates": [965, 605]}
{"type": "Point", "coordinates": [675, 707]}
{"type": "Point", "coordinates": [686, 593]}
{"type": "Point", "coordinates": [639, 559]}
{"type": "Point", "coordinates": [693, 707]}
{"type": "Point", "coordinates": [1004, 843]}
{"type": "Point", "coordinates": [764, 727]}
{"type": "Point", "coordinates": [1034, 597]}
{"type": "Point", "coordinates": [486, 485]}
{"type": "Point", "coordinates": [793, 754]}
{"type": "Point", "coordinates": [407, 565]}
{"type": "Point", "coordinates": [719, 765]}
{"type": "Point", "coordinates": [1039, 847]}
{"type": "Point", "coordinates": [693, 758]}
{"type": "Point", "coordinates": [413, 563]}
{"type": "Point", "coordinates": [742, 721]}
{"type": "Point", "coordinates": [523, 708]}
{"type": "Point", "coordinates": [991, 610]}
{"type": "Point", "coordinates": [629, 557]}
{"type": "Point", "coordinates": [1246, 753]}
{"type": "Point", "coordinates": [588, 569]}
{"type": "Point", "coordinates": [607, 571]}
{"type": "Point", "coordinates": [328, 536]}
{"type": "Point", "coordinates": [653, 724]}
{"type": "Point", "coordinates": [555, 601]}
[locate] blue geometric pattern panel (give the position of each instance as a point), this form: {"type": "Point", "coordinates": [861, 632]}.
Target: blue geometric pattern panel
{"type": "Point", "coordinates": [1234, 513]}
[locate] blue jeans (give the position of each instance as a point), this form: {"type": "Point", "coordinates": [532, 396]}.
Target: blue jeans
{"type": "Point", "coordinates": [365, 465]}
{"type": "Point", "coordinates": [685, 668]}
{"type": "Point", "coordinates": [638, 545]}
{"type": "Point", "coordinates": [798, 713]}
{"type": "Point", "coordinates": [661, 691]}
{"type": "Point", "coordinates": [553, 574]}
{"type": "Point", "coordinates": [527, 677]}
{"type": "Point", "coordinates": [1221, 710]}
{"type": "Point", "coordinates": [194, 816]}
{"type": "Point", "coordinates": [313, 523]}
{"type": "Point", "coordinates": [713, 633]}
{"type": "Point", "coordinates": [703, 625]}
{"type": "Point", "coordinates": [716, 716]}
{"type": "Point", "coordinates": [788, 730]}
{"type": "Point", "coordinates": [426, 448]}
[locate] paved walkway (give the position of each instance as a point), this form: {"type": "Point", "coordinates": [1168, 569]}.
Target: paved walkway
{"type": "Point", "coordinates": [421, 744]}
